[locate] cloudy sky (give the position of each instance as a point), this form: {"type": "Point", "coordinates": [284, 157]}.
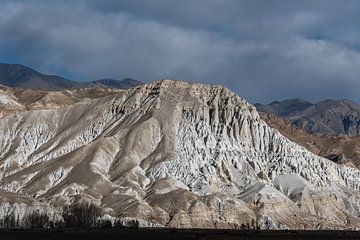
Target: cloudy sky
{"type": "Point", "coordinates": [263, 50]}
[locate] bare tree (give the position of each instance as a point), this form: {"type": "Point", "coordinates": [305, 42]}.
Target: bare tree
{"type": "Point", "coordinates": [36, 219]}
{"type": "Point", "coordinates": [10, 221]}
{"type": "Point", "coordinates": [81, 215]}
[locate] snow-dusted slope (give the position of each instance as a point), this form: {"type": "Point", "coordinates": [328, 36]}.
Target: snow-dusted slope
{"type": "Point", "coordinates": [175, 154]}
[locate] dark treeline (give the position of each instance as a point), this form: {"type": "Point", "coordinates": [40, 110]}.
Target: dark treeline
{"type": "Point", "coordinates": [73, 216]}
{"type": "Point", "coordinates": [76, 216]}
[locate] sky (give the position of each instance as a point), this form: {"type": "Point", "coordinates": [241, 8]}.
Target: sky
{"type": "Point", "coordinates": [262, 50]}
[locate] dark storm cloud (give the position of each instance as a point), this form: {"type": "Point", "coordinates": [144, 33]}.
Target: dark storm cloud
{"type": "Point", "coordinates": [263, 50]}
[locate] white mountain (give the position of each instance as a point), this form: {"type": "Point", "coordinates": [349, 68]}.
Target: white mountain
{"type": "Point", "coordinates": [173, 154]}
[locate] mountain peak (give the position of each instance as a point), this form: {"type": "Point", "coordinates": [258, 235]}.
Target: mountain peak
{"type": "Point", "coordinates": [284, 108]}
{"type": "Point", "coordinates": [17, 75]}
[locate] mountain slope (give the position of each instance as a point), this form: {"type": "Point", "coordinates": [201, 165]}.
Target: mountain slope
{"type": "Point", "coordinates": [340, 149]}
{"type": "Point", "coordinates": [174, 154]}
{"type": "Point", "coordinates": [18, 100]}
{"type": "Point", "coordinates": [325, 118]}
{"type": "Point", "coordinates": [16, 75]}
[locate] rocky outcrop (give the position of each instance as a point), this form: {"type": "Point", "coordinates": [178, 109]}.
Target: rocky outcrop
{"type": "Point", "coordinates": [174, 154]}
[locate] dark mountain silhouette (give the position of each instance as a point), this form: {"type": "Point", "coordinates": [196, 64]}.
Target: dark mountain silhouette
{"type": "Point", "coordinates": [285, 108]}
{"type": "Point", "coordinates": [17, 75]}
{"type": "Point", "coordinates": [125, 83]}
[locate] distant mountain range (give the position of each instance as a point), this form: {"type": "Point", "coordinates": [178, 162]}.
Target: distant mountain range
{"type": "Point", "coordinates": [325, 118]}
{"type": "Point", "coordinates": [16, 75]}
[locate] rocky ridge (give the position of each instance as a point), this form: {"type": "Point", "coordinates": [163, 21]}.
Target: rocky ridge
{"type": "Point", "coordinates": [172, 154]}
{"type": "Point", "coordinates": [325, 118]}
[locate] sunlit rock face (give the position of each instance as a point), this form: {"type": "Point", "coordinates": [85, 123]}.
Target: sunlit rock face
{"type": "Point", "coordinates": [175, 154]}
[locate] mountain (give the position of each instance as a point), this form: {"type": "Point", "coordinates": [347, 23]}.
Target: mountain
{"type": "Point", "coordinates": [325, 118]}
{"type": "Point", "coordinates": [16, 75]}
{"type": "Point", "coordinates": [340, 149]}
{"type": "Point", "coordinates": [113, 83]}
{"type": "Point", "coordinates": [174, 154]}
{"type": "Point", "coordinates": [285, 108]}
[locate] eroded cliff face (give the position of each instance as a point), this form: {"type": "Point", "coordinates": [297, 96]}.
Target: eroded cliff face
{"type": "Point", "coordinates": [174, 154]}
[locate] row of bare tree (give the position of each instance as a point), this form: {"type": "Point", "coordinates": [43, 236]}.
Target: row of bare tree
{"type": "Point", "coordinates": [74, 216]}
